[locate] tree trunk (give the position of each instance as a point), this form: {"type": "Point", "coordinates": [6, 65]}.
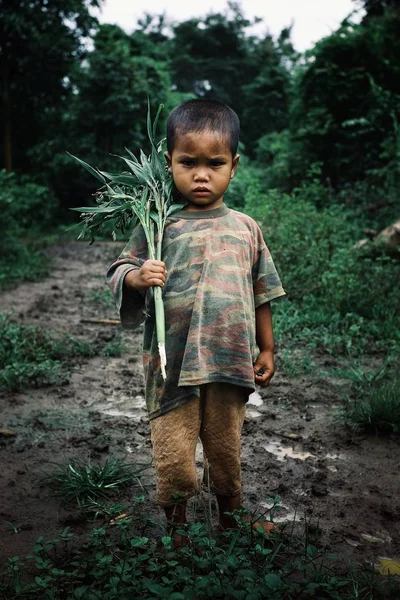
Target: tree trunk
{"type": "Point", "coordinates": [5, 92]}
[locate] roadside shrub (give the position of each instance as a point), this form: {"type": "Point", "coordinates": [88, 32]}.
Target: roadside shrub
{"type": "Point", "coordinates": [25, 206]}
{"type": "Point", "coordinates": [25, 203]}
{"type": "Point", "coordinates": [337, 291]}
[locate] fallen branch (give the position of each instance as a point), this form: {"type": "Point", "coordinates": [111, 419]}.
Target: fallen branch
{"type": "Point", "coordinates": [102, 321]}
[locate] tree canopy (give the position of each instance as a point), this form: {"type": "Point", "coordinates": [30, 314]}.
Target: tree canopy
{"type": "Point", "coordinates": [69, 83]}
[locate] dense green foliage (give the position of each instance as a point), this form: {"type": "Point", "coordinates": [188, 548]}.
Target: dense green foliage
{"type": "Point", "coordinates": [337, 106]}
{"type": "Point", "coordinates": [345, 299]}
{"type": "Point", "coordinates": [120, 560]}
{"type": "Point", "coordinates": [24, 207]}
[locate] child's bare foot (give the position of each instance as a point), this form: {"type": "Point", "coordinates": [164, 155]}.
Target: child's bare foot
{"type": "Point", "coordinates": [227, 521]}
{"type": "Point", "coordinates": [176, 517]}
{"type": "Point", "coordinates": [267, 526]}
{"type": "Point", "coordinates": [179, 541]}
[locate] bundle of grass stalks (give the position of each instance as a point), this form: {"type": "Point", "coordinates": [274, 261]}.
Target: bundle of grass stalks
{"type": "Point", "coordinates": [141, 195]}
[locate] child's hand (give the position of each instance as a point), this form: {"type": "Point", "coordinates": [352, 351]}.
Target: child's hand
{"type": "Point", "coordinates": [264, 368]}
{"type": "Point", "coordinates": [152, 272]}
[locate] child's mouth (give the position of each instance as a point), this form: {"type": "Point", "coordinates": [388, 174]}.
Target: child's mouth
{"type": "Point", "coordinates": [201, 191]}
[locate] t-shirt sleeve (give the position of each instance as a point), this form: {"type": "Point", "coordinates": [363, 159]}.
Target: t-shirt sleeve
{"type": "Point", "coordinates": [130, 303]}
{"type": "Point", "coordinates": [266, 282]}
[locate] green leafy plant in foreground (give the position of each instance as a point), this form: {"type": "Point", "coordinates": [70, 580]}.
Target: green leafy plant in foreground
{"type": "Point", "coordinates": [123, 558]}
{"type": "Point", "coordinates": [119, 562]}
{"type": "Point", "coordinates": [141, 196]}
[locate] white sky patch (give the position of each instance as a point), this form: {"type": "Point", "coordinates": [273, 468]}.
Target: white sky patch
{"type": "Point", "coordinates": [312, 19]}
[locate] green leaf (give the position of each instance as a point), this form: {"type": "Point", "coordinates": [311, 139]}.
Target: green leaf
{"type": "Point", "coordinates": [91, 170]}
{"type": "Point", "coordinates": [151, 130]}
{"type": "Point", "coordinates": [103, 209]}
{"type": "Point", "coordinates": [125, 180]}
{"type": "Point", "coordinates": [80, 591]}
{"type": "Point", "coordinates": [133, 157]}
{"type": "Point", "coordinates": [107, 175]}
{"type": "Point", "coordinates": [138, 542]}
{"type": "Point", "coordinates": [137, 170]}
{"type": "Point", "coordinates": [154, 216]}
{"type": "Point", "coordinates": [273, 581]}
{"type": "Point", "coordinates": [173, 208]}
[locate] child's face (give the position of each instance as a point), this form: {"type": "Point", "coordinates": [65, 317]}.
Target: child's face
{"type": "Point", "coordinates": [202, 167]}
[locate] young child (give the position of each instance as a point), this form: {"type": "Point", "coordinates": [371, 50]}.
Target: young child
{"type": "Point", "coordinates": [218, 279]}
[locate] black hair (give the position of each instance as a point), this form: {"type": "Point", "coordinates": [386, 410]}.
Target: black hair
{"type": "Point", "coordinates": [199, 115]}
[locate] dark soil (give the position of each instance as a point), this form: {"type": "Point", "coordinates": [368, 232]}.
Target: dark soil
{"type": "Point", "coordinates": [341, 482]}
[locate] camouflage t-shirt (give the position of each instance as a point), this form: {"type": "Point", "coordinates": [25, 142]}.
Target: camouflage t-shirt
{"type": "Point", "coordinates": [219, 272]}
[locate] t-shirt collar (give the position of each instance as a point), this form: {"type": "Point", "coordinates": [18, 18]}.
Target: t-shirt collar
{"type": "Point", "coordinates": [214, 213]}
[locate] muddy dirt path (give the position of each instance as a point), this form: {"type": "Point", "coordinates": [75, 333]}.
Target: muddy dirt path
{"type": "Point", "coordinates": [343, 482]}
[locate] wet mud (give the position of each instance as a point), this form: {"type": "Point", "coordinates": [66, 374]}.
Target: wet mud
{"type": "Point", "coordinates": [341, 482]}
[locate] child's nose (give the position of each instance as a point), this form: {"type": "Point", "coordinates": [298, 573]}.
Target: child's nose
{"type": "Point", "coordinates": [201, 174]}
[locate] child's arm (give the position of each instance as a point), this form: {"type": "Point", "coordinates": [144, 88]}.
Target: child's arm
{"type": "Point", "coordinates": [152, 272]}
{"type": "Point", "coordinates": [265, 341]}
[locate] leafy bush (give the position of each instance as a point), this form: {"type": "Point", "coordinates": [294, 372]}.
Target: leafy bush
{"type": "Point", "coordinates": [24, 206]}
{"type": "Point", "coordinates": [24, 203]}
{"type": "Point", "coordinates": [245, 177]}
{"type": "Point", "coordinates": [340, 297]}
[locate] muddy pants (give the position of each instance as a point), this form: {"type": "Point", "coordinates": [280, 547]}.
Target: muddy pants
{"type": "Point", "coordinates": [216, 418]}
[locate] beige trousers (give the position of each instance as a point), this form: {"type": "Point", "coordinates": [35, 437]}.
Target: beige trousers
{"type": "Point", "coordinates": [216, 418]}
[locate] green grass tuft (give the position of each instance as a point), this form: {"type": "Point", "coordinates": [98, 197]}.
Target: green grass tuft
{"type": "Point", "coordinates": [86, 484]}
{"type": "Point", "coordinates": [375, 407]}
{"type": "Point", "coordinates": [32, 356]}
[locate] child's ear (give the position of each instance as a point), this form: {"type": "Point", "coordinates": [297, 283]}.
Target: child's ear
{"type": "Point", "coordinates": [169, 161]}
{"type": "Point", "coordinates": [235, 163]}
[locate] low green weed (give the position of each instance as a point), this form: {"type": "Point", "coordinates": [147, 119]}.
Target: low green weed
{"type": "Point", "coordinates": [87, 485]}
{"type": "Point", "coordinates": [100, 297]}
{"type": "Point", "coordinates": [120, 561]}
{"type": "Point", "coordinates": [374, 403]}
{"type": "Point", "coordinates": [30, 355]}
{"type": "Point", "coordinates": [115, 347]}
{"type": "Point", "coordinates": [298, 362]}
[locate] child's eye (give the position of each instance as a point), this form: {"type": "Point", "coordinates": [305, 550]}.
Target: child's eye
{"type": "Point", "coordinates": [187, 163]}
{"type": "Point", "coordinates": [216, 163]}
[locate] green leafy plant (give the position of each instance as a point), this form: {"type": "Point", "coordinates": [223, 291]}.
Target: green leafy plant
{"type": "Point", "coordinates": [30, 355]}
{"type": "Point", "coordinates": [85, 484]}
{"type": "Point", "coordinates": [124, 561]}
{"type": "Point", "coordinates": [142, 196]}
{"type": "Point", "coordinates": [374, 404]}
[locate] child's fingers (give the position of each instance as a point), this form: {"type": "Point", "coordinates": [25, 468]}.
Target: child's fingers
{"type": "Point", "coordinates": [263, 376]}
{"type": "Point", "coordinates": [156, 281]}
{"type": "Point", "coordinates": [154, 268]}
{"type": "Point", "coordinates": [156, 265]}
